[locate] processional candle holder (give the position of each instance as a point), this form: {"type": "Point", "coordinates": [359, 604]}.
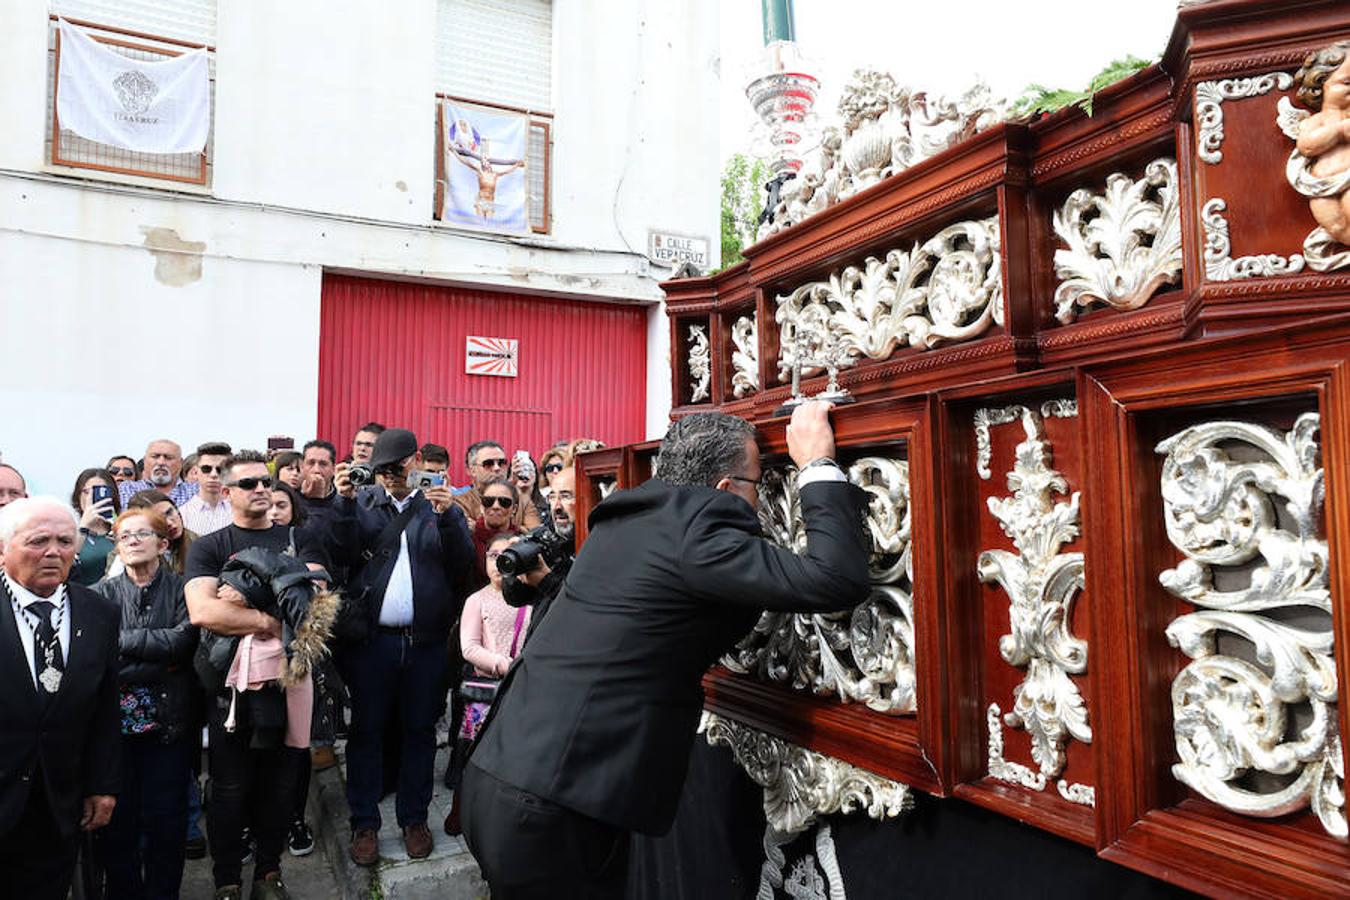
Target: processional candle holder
{"type": "Point", "coordinates": [822, 351]}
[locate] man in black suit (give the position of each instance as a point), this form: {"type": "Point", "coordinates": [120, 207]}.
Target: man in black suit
{"type": "Point", "coordinates": [591, 733]}
{"type": "Point", "coordinates": [59, 714]}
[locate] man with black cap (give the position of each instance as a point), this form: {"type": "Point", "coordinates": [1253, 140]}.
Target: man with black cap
{"type": "Point", "coordinates": [407, 550]}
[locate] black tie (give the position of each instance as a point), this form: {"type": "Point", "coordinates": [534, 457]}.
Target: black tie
{"type": "Point", "coordinates": [46, 647]}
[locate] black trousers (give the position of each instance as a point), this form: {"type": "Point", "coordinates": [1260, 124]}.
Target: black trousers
{"type": "Point", "coordinates": [142, 848]}
{"type": "Point", "coordinates": [251, 787]}
{"type": "Point", "coordinates": [37, 861]}
{"type": "Point", "coordinates": [530, 847]}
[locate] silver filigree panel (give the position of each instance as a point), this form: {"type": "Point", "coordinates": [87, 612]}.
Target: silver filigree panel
{"type": "Point", "coordinates": [1254, 713]}
{"type": "Point", "coordinates": [1209, 99]}
{"type": "Point", "coordinates": [886, 128]}
{"type": "Point", "coordinates": [700, 364]}
{"type": "Point", "coordinates": [946, 289]}
{"type": "Point", "coordinates": [866, 654]}
{"type": "Point", "coordinates": [1122, 244]}
{"type": "Point", "coordinates": [744, 357]}
{"type": "Point", "coordinates": [1041, 584]}
{"type": "Point", "coordinates": [801, 785]}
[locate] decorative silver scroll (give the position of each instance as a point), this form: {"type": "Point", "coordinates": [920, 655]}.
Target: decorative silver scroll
{"type": "Point", "coordinates": [947, 289]}
{"type": "Point", "coordinates": [800, 784]}
{"type": "Point", "coordinates": [886, 128]}
{"type": "Point", "coordinates": [865, 654]}
{"type": "Point", "coordinates": [801, 787]}
{"type": "Point", "coordinates": [700, 364]}
{"type": "Point", "coordinates": [1041, 584]}
{"type": "Point", "coordinates": [1209, 98]}
{"type": "Point", "coordinates": [1219, 264]}
{"type": "Point", "coordinates": [1254, 713]}
{"type": "Point", "coordinates": [1122, 244]}
{"type": "Point", "coordinates": [745, 357]}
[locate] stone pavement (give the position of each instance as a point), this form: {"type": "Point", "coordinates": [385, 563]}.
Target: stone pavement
{"type": "Point", "coordinates": [450, 872]}
{"type": "Point", "coordinates": [327, 873]}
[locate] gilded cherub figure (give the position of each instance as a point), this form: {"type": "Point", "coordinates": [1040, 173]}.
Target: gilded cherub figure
{"type": "Point", "coordinates": [1323, 140]}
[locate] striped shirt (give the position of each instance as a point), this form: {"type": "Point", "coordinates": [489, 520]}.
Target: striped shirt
{"type": "Point", "coordinates": [180, 492]}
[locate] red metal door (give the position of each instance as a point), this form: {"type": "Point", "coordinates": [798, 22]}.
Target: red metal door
{"type": "Point", "coordinates": [394, 352]}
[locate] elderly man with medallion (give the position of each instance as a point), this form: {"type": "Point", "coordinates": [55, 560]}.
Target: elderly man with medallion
{"type": "Point", "coordinates": [59, 715]}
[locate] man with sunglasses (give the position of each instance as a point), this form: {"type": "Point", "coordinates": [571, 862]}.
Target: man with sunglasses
{"type": "Point", "coordinates": [485, 461]}
{"type": "Point", "coordinates": [251, 786]}
{"type": "Point", "coordinates": [408, 552]}
{"type": "Point", "coordinates": [209, 511]}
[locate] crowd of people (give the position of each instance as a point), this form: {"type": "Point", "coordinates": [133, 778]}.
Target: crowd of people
{"type": "Point", "coordinates": [261, 607]}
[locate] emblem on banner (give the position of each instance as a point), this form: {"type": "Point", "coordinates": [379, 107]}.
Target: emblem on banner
{"type": "Point", "coordinates": [135, 91]}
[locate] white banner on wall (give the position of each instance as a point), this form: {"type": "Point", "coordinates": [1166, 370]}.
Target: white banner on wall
{"type": "Point", "coordinates": [150, 107]}
{"type": "Point", "coordinates": [484, 167]}
{"type": "Point", "coordinates": [491, 356]}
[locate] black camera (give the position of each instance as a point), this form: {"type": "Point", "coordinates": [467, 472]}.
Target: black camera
{"type": "Point", "coordinates": [524, 555]}
{"type": "Point", "coordinates": [360, 475]}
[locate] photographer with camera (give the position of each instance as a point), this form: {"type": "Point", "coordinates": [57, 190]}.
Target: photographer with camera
{"type": "Point", "coordinates": [408, 549]}
{"type": "Point", "coordinates": [537, 565]}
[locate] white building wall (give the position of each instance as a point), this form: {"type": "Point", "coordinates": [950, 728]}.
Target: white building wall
{"type": "Point", "coordinates": [324, 158]}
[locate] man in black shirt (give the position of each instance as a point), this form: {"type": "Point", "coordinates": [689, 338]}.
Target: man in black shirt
{"type": "Point", "coordinates": [243, 777]}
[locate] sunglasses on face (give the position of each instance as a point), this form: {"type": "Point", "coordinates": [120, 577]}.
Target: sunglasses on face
{"type": "Point", "coordinates": [503, 502]}
{"type": "Point", "coordinates": [122, 470]}
{"type": "Point", "coordinates": [497, 463]}
{"type": "Point", "coordinates": [250, 484]}
{"type": "Point", "coordinates": [208, 469]}
{"type": "Point", "coordinates": [553, 467]}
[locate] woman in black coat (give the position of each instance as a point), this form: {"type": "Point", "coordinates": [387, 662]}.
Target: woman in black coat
{"type": "Point", "coordinates": [142, 849]}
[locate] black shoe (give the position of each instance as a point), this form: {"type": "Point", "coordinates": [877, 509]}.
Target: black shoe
{"type": "Point", "coordinates": [300, 840]}
{"type": "Point", "coordinates": [247, 838]}
{"type": "Point", "coordinates": [195, 848]}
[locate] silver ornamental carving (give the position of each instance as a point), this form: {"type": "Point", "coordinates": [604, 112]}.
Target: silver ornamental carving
{"type": "Point", "coordinates": [949, 288]}
{"type": "Point", "coordinates": [1041, 583]}
{"type": "Point", "coordinates": [1209, 98]}
{"type": "Point", "coordinates": [1219, 264]}
{"type": "Point", "coordinates": [1122, 244]}
{"type": "Point", "coordinates": [863, 655]}
{"type": "Point", "coordinates": [886, 128]}
{"type": "Point", "coordinates": [700, 363]}
{"type": "Point", "coordinates": [801, 785]}
{"type": "Point", "coordinates": [744, 357]}
{"type": "Point", "coordinates": [1254, 713]}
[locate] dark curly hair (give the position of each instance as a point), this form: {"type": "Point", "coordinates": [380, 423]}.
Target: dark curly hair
{"type": "Point", "coordinates": [703, 448]}
{"type": "Point", "coordinates": [1317, 68]}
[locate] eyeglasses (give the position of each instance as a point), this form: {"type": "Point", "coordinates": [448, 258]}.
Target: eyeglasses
{"type": "Point", "coordinates": [754, 481]}
{"type": "Point", "coordinates": [503, 502]}
{"type": "Point", "coordinates": [135, 537]}
{"type": "Point", "coordinates": [208, 469]}
{"type": "Point", "coordinates": [123, 470]}
{"type": "Point", "coordinates": [250, 484]}
{"type": "Point", "coordinates": [565, 496]}
{"type": "Point", "coordinates": [553, 467]}
{"type": "Point", "coordinates": [497, 463]}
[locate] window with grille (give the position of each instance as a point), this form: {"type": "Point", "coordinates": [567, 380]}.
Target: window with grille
{"type": "Point", "coordinates": [498, 54]}
{"type": "Point", "coordinates": [140, 29]}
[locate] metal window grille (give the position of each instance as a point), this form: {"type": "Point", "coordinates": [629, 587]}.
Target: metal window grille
{"type": "Point", "coordinates": [538, 161]}
{"type": "Point", "coordinates": [65, 148]}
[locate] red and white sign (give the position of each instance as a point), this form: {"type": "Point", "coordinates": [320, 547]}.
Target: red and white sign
{"type": "Point", "coordinates": [491, 356]}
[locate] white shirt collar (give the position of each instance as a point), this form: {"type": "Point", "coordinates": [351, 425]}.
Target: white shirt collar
{"type": "Point", "coordinates": [401, 505]}
{"type": "Point", "coordinates": [25, 598]}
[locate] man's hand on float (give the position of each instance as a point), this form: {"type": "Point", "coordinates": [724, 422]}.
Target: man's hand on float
{"type": "Point", "coordinates": [809, 435]}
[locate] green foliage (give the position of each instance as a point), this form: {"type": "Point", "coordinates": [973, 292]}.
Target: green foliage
{"type": "Point", "coordinates": [743, 197]}
{"type": "Point", "coordinates": [1038, 99]}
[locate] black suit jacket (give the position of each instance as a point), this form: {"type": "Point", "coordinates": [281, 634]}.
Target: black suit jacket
{"type": "Point", "coordinates": [599, 712]}
{"type": "Point", "coordinates": [74, 749]}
